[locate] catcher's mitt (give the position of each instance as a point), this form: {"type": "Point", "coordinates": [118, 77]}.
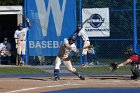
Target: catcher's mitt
{"type": "Point", "coordinates": [113, 66]}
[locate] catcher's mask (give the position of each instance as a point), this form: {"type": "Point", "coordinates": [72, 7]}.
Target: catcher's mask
{"type": "Point", "coordinates": [129, 51]}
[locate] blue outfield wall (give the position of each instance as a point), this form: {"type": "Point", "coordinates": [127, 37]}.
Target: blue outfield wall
{"type": "Point", "coordinates": [51, 22]}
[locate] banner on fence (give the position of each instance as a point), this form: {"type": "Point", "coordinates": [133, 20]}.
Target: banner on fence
{"type": "Point", "coordinates": [98, 25]}
{"type": "Point", "coordinates": [51, 22]}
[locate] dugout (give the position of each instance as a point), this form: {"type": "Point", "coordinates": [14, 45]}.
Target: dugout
{"type": "Point", "coordinates": [10, 17]}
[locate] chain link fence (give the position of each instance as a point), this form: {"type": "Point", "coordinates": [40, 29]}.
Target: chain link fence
{"type": "Point", "coordinates": [109, 49]}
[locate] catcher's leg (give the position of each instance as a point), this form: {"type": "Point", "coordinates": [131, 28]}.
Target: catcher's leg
{"type": "Point", "coordinates": [72, 69]}
{"type": "Point", "coordinates": [135, 71]}
{"type": "Point", "coordinates": [57, 68]}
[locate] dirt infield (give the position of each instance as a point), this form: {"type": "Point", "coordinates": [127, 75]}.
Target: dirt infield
{"type": "Point", "coordinates": [45, 84]}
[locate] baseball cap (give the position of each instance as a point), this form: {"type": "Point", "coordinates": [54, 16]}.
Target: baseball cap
{"type": "Point", "coordinates": [5, 39]}
{"type": "Point", "coordinates": [20, 25]}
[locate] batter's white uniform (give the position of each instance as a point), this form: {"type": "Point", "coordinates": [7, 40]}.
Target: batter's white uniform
{"type": "Point", "coordinates": [21, 39]}
{"type": "Point", "coordinates": [85, 39]}
{"type": "Point", "coordinates": [63, 55]}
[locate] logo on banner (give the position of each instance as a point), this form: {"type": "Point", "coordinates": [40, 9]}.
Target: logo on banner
{"type": "Point", "coordinates": [98, 23]}
{"type": "Point", "coordinates": [96, 20]}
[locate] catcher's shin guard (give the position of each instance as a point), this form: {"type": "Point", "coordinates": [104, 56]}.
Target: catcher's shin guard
{"type": "Point", "coordinates": [135, 70]}
{"type": "Point", "coordinates": [56, 74]}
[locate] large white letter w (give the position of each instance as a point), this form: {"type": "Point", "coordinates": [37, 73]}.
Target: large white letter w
{"type": "Point", "coordinates": [44, 14]}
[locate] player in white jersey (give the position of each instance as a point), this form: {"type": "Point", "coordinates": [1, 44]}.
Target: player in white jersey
{"type": "Point", "coordinates": [20, 39]}
{"type": "Point", "coordinates": [66, 47]}
{"type": "Point", "coordinates": [86, 43]}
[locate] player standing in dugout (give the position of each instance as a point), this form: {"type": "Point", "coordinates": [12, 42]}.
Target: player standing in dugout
{"type": "Point", "coordinates": [20, 40]}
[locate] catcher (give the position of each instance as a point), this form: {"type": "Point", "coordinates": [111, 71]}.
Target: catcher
{"type": "Point", "coordinates": [66, 47]}
{"type": "Point", "coordinates": [134, 59]}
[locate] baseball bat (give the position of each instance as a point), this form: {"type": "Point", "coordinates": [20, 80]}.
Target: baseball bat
{"type": "Point", "coordinates": [86, 20]}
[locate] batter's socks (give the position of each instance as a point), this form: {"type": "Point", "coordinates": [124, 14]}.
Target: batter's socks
{"type": "Point", "coordinates": [85, 59]}
{"type": "Point", "coordinates": [56, 74]}
{"type": "Point", "coordinates": [23, 58]}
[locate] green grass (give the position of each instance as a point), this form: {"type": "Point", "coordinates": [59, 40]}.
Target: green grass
{"type": "Point", "coordinates": [109, 60]}
{"type": "Point", "coordinates": [20, 70]}
{"type": "Point", "coordinates": [102, 69]}
{"type": "Point", "coordinates": [29, 70]}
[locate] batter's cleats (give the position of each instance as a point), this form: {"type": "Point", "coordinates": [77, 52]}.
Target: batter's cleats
{"type": "Point", "coordinates": [82, 78]}
{"type": "Point", "coordinates": [56, 79]}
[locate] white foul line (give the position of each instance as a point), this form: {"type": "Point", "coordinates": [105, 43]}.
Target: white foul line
{"type": "Point", "coordinates": [27, 89]}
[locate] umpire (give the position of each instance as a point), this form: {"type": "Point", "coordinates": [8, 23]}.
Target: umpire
{"type": "Point", "coordinates": [134, 59]}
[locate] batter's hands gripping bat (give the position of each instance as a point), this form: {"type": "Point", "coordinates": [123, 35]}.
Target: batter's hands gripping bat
{"type": "Point", "coordinates": [113, 67]}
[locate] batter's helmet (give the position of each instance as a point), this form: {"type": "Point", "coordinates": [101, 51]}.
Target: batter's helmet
{"type": "Point", "coordinates": [72, 37]}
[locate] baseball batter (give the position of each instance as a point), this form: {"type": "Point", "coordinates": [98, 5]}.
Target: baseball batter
{"type": "Point", "coordinates": [66, 47]}
{"type": "Point", "coordinates": [20, 39]}
{"type": "Point", "coordinates": [86, 43]}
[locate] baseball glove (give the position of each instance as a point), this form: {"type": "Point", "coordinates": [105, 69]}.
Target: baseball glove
{"type": "Point", "coordinates": [113, 67]}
